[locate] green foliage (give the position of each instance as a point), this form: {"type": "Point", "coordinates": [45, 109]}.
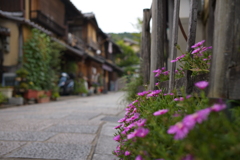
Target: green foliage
{"type": "Point", "coordinates": [79, 86]}
{"type": "Point", "coordinates": [3, 98]}
{"type": "Point", "coordinates": [22, 73]}
{"type": "Point", "coordinates": [128, 58]}
{"type": "Point", "coordinates": [132, 87]}
{"type": "Point", "coordinates": [42, 60]}
{"type": "Point", "coordinates": [71, 67]}
{"type": "Point", "coordinates": [215, 137]}
{"type": "Point", "coordinates": [120, 36]}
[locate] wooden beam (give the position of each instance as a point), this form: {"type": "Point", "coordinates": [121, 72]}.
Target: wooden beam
{"type": "Point", "coordinates": [225, 64]}
{"type": "Point", "coordinates": [174, 39]}
{"type": "Point", "coordinates": [157, 39]}
{"type": "Point", "coordinates": [145, 47]}
{"type": "Point", "coordinates": [192, 28]}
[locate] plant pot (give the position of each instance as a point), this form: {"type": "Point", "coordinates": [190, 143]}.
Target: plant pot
{"type": "Point", "coordinates": [43, 100]}
{"type": "Point", "coordinates": [48, 93]}
{"type": "Point", "coordinates": [31, 94]}
{"type": "Point", "coordinates": [7, 92]}
{"type": "Point", "coordinates": [40, 93]}
{"type": "Point", "coordinates": [16, 100]}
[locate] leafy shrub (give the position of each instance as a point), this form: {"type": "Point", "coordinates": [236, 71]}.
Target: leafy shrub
{"type": "Point", "coordinates": [165, 126]}
{"type": "Point", "coordinates": [3, 98]}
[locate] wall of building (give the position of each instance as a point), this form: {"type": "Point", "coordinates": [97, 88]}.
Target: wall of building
{"type": "Point", "coordinates": [54, 9]}
{"type": "Point", "coordinates": [92, 35]}
{"type": "Point", "coordinates": [11, 58]}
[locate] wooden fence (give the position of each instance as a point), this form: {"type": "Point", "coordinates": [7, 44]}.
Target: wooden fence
{"type": "Point", "coordinates": [222, 29]}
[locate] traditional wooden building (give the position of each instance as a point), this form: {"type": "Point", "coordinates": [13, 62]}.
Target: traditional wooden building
{"type": "Point", "coordinates": [86, 45]}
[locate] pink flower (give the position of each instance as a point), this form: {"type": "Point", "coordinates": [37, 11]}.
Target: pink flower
{"type": "Point", "coordinates": [201, 84]}
{"type": "Point", "coordinates": [176, 99]}
{"type": "Point", "coordinates": [142, 93]}
{"type": "Point", "coordinates": [198, 44]}
{"type": "Point", "coordinates": [166, 73]}
{"type": "Point", "coordinates": [117, 138]}
{"type": "Point", "coordinates": [175, 60]}
{"type": "Point", "coordinates": [157, 71]}
{"type": "Point", "coordinates": [154, 93]}
{"type": "Point", "coordinates": [118, 126]}
{"type": "Point", "coordinates": [218, 107]}
{"type": "Point", "coordinates": [160, 112]}
{"type": "Point", "coordinates": [163, 68]}
{"type": "Point", "coordinates": [188, 96]}
{"type": "Point", "coordinates": [132, 135]}
{"type": "Point", "coordinates": [142, 132]}
{"type": "Point", "coordinates": [157, 75]}
{"type": "Point", "coordinates": [179, 129]}
{"type": "Point", "coordinates": [135, 116]}
{"type": "Point", "coordinates": [181, 99]}
{"type": "Point", "coordinates": [171, 94]}
{"type": "Point", "coordinates": [139, 158]}
{"type": "Point", "coordinates": [156, 84]}
{"type": "Point", "coordinates": [205, 49]}
{"type": "Point", "coordinates": [141, 122]}
{"type": "Point", "coordinates": [198, 117]}
{"type": "Point", "coordinates": [127, 153]}
{"type": "Point", "coordinates": [196, 50]}
{"type": "Point", "coordinates": [122, 120]}
{"type": "Point", "coordinates": [188, 157]}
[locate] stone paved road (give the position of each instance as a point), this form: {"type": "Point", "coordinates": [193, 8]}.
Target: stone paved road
{"type": "Point", "coordinates": [76, 129]}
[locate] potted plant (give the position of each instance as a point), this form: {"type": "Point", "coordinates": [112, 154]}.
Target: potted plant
{"type": "Point", "coordinates": [3, 98]}
{"type": "Point", "coordinates": [54, 96]}
{"type": "Point", "coordinates": [7, 91]}
{"type": "Point", "coordinates": [43, 98]}
{"type": "Point", "coordinates": [16, 100]}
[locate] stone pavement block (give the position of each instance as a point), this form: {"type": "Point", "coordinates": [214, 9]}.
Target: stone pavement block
{"type": "Point", "coordinates": [111, 119]}
{"type": "Point", "coordinates": [104, 157]}
{"type": "Point", "coordinates": [25, 125]}
{"type": "Point", "coordinates": [73, 129]}
{"type": "Point", "coordinates": [53, 151]}
{"type": "Point", "coordinates": [46, 116]}
{"type": "Point", "coordinates": [73, 138]}
{"type": "Point", "coordinates": [84, 116]}
{"type": "Point", "coordinates": [108, 129]}
{"type": "Point", "coordinates": [25, 136]}
{"type": "Point", "coordinates": [78, 122]}
{"type": "Point", "coordinates": [106, 145]}
{"type": "Point", "coordinates": [6, 147]}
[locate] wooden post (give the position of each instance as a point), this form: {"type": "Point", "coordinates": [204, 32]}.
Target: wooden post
{"type": "Point", "coordinates": [145, 47]}
{"type": "Point", "coordinates": [225, 64]}
{"type": "Point", "coordinates": [157, 39]}
{"type": "Point", "coordinates": [174, 39]}
{"type": "Point", "coordinates": [191, 39]}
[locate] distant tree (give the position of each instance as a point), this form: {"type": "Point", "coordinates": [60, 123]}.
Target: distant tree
{"type": "Point", "coordinates": [128, 59]}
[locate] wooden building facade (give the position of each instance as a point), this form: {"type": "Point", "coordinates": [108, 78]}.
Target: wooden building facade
{"type": "Point", "coordinates": [86, 45]}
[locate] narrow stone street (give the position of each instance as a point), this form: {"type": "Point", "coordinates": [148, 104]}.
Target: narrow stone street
{"type": "Point", "coordinates": [72, 129]}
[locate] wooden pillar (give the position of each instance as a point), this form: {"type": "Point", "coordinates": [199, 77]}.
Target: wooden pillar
{"type": "Point", "coordinates": [157, 39]}
{"type": "Point", "coordinates": [174, 39]}
{"type": "Point", "coordinates": [145, 47]}
{"type": "Point", "coordinates": [192, 28]}
{"type": "Point", "coordinates": [225, 64]}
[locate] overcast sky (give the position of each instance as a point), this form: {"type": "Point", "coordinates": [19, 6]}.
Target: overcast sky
{"type": "Point", "coordinates": [114, 16]}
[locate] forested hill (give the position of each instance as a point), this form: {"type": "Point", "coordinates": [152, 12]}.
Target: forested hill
{"type": "Point", "coordinates": [120, 36]}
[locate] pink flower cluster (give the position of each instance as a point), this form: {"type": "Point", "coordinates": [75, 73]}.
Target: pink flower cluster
{"type": "Point", "coordinates": [181, 129]}
{"type": "Point", "coordinates": [198, 48]}
{"type": "Point", "coordinates": [131, 126]}
{"type": "Point", "coordinates": [201, 84]}
{"type": "Point", "coordinates": [182, 98]}
{"type": "Point", "coordinates": [161, 71]}
{"type": "Point", "coordinates": [154, 93]}
{"type": "Point", "coordinates": [178, 58]}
